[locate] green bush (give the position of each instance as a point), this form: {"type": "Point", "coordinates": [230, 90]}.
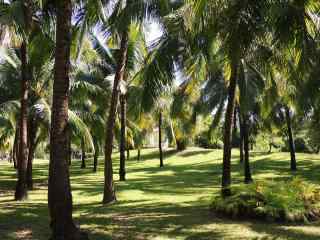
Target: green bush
{"type": "Point", "coordinates": [301, 146]}
{"type": "Point", "coordinates": [204, 142]}
{"type": "Point", "coordinates": [292, 201]}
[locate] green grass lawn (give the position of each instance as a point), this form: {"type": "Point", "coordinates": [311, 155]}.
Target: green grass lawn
{"type": "Point", "coordinates": [154, 203]}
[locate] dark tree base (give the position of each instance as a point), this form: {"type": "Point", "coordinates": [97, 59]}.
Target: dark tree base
{"type": "Point", "coordinates": [74, 235]}
{"type": "Point", "coordinates": [226, 192]}
{"type": "Point", "coordinates": [248, 180]}
{"type": "Point", "coordinates": [122, 177]}
{"type": "Point", "coordinates": [293, 169]}
{"type": "Point", "coordinates": [30, 185]}
{"type": "Point", "coordinates": [109, 200]}
{"type": "Point", "coordinates": [21, 192]}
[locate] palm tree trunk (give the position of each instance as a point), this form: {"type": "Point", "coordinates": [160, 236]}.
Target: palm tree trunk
{"type": "Point", "coordinates": [15, 149]}
{"type": "Point", "coordinates": [247, 171]}
{"type": "Point", "coordinates": [69, 146]}
{"type": "Point", "coordinates": [32, 147]}
{"type": "Point", "coordinates": [83, 154]}
{"type": "Point", "coordinates": [293, 163]}
{"type": "Point", "coordinates": [59, 189]}
{"type": "Point", "coordinates": [270, 148]}
{"type": "Point", "coordinates": [109, 194]}
{"type": "Point", "coordinates": [21, 186]}
{"type": "Point", "coordinates": [241, 135]}
{"type": "Point", "coordinates": [139, 154]}
{"type": "Point", "coordinates": [227, 137]}
{"type": "Point", "coordinates": [22, 161]}
{"type": "Point", "coordinates": [122, 170]}
{"type": "Point", "coordinates": [95, 160]}
{"type": "Point", "coordinates": [235, 120]}
{"type": "Point", "coordinates": [160, 140]}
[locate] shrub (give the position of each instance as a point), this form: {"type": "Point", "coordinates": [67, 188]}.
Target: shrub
{"type": "Point", "coordinates": [204, 142]}
{"type": "Point", "coordinates": [292, 201]}
{"type": "Point", "coordinates": [300, 146]}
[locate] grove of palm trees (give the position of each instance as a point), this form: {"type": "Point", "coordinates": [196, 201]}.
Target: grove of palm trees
{"type": "Point", "coordinates": [159, 119]}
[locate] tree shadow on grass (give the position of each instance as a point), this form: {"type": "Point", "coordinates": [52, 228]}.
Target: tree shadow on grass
{"type": "Point", "coordinates": [146, 219]}
{"type": "Point", "coordinates": [152, 216]}
{"type": "Point", "coordinates": [280, 169]}
{"type": "Point", "coordinates": [282, 232]}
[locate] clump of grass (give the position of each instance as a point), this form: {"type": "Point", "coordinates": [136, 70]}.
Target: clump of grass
{"type": "Point", "coordinates": [285, 201]}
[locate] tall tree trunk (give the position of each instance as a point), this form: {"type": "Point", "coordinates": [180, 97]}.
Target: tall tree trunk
{"type": "Point", "coordinates": [95, 160]}
{"type": "Point", "coordinates": [293, 163]}
{"type": "Point", "coordinates": [32, 147]}
{"type": "Point", "coordinates": [139, 154]}
{"type": "Point", "coordinates": [59, 189]}
{"type": "Point", "coordinates": [83, 154]}
{"type": "Point", "coordinates": [227, 137]}
{"type": "Point", "coordinates": [247, 171]}
{"type": "Point", "coordinates": [21, 186]}
{"type": "Point", "coordinates": [109, 194]}
{"type": "Point", "coordinates": [160, 140]}
{"type": "Point", "coordinates": [69, 145]}
{"type": "Point", "coordinates": [122, 170]}
{"type": "Point", "coordinates": [235, 120]}
{"type": "Point", "coordinates": [270, 148]}
{"type": "Point", "coordinates": [15, 149]}
{"type": "Point", "coordinates": [241, 136]}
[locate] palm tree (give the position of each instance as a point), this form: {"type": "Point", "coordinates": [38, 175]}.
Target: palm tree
{"type": "Point", "coordinates": [59, 190]}
{"type": "Point", "coordinates": [121, 20]}
{"type": "Point", "coordinates": [294, 31]}
{"type": "Point", "coordinates": [109, 191]}
{"type": "Point", "coordinates": [24, 29]}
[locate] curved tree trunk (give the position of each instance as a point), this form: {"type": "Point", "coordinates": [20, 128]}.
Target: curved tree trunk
{"type": "Point", "coordinates": [109, 194]}
{"type": "Point", "coordinates": [59, 189]}
{"type": "Point", "coordinates": [160, 140]}
{"type": "Point", "coordinates": [83, 155]}
{"type": "Point", "coordinates": [247, 171]}
{"type": "Point", "coordinates": [21, 186]}
{"type": "Point", "coordinates": [293, 162]}
{"type": "Point", "coordinates": [122, 170]}
{"type": "Point", "coordinates": [227, 137]}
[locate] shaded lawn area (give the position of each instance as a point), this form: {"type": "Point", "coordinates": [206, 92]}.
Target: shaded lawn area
{"type": "Point", "coordinates": [154, 203]}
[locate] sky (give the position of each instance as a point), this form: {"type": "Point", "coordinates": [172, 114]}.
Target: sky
{"type": "Point", "coordinates": [153, 32]}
